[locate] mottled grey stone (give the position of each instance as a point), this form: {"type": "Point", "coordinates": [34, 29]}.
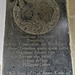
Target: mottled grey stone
{"type": "Point", "coordinates": [27, 54]}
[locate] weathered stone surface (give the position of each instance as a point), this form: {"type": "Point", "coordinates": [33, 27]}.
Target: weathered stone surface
{"type": "Point", "coordinates": [47, 54]}
{"type": "Point", "coordinates": [36, 17]}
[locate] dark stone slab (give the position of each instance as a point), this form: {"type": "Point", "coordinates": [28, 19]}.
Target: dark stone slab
{"type": "Point", "coordinates": [47, 54]}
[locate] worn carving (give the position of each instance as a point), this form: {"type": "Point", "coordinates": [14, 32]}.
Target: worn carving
{"type": "Point", "coordinates": [36, 16]}
{"type": "Point", "coordinates": [26, 54]}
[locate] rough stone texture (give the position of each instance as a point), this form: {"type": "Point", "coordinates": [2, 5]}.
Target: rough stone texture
{"type": "Point", "coordinates": [36, 16]}
{"type": "Point", "coordinates": [47, 54]}
{"type": "Point", "coordinates": [71, 18]}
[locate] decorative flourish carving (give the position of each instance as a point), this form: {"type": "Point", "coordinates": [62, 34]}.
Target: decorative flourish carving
{"type": "Point", "coordinates": [36, 16]}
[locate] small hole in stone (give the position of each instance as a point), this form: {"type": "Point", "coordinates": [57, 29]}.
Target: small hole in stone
{"type": "Point", "coordinates": [17, 4]}
{"type": "Point", "coordinates": [38, 13]}
{"type": "Point", "coordinates": [13, 67]}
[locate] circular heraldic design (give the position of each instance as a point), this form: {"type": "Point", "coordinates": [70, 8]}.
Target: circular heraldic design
{"type": "Point", "coordinates": [36, 16]}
